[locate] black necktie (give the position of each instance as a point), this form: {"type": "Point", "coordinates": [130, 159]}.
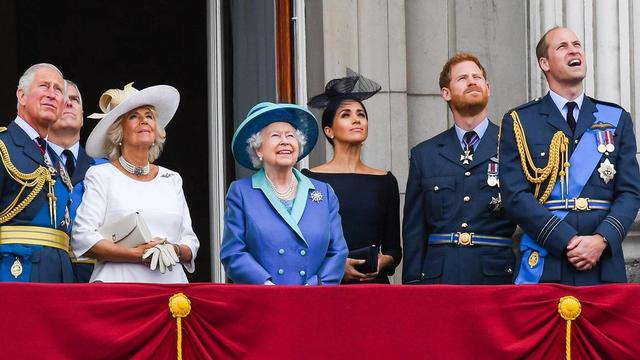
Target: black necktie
{"type": "Point", "coordinates": [470, 138]}
{"type": "Point", "coordinates": [69, 163]}
{"type": "Point", "coordinates": [571, 121]}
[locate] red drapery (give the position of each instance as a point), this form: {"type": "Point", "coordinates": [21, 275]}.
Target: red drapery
{"type": "Point", "coordinates": [133, 321]}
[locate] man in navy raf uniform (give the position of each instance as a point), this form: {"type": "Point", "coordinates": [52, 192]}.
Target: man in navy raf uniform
{"type": "Point", "coordinates": [569, 174]}
{"type": "Point", "coordinates": [455, 230]}
{"type": "Point", "coordinates": [34, 188]}
{"type": "Point", "coordinates": [64, 140]}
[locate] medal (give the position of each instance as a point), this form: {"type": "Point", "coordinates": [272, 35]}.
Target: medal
{"type": "Point", "coordinates": [492, 174]}
{"type": "Point", "coordinates": [608, 139]}
{"type": "Point", "coordinates": [602, 147]}
{"type": "Point", "coordinates": [496, 202]}
{"type": "Point", "coordinates": [16, 268]}
{"type": "Point", "coordinates": [607, 171]}
{"type": "Point", "coordinates": [466, 157]}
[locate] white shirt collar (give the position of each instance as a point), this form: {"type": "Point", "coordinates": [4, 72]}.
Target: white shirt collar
{"type": "Point", "coordinates": [75, 149]}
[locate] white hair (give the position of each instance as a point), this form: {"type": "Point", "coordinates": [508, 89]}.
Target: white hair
{"type": "Point", "coordinates": [24, 83]}
{"type": "Point", "coordinates": [255, 140]}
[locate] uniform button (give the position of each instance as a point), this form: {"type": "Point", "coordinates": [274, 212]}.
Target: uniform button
{"type": "Point", "coordinates": [280, 271]}
{"type": "Point", "coordinates": [281, 251]}
{"type": "Point", "coordinates": [509, 271]}
{"type": "Point", "coordinates": [303, 252]}
{"type": "Point", "coordinates": [302, 273]}
{"type": "Point", "coordinates": [436, 188]}
{"type": "Point", "coordinates": [575, 141]}
{"type": "Point", "coordinates": [422, 275]}
{"type": "Point", "coordinates": [543, 153]}
{"type": "Point", "coordinates": [467, 173]}
{"type": "Point", "coordinates": [466, 199]}
{"type": "Point", "coordinates": [464, 225]}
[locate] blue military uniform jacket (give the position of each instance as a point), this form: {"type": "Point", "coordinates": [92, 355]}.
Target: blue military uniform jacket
{"type": "Point", "coordinates": [39, 263]}
{"type": "Point", "coordinates": [81, 269]}
{"type": "Point", "coordinates": [540, 119]}
{"type": "Point", "coordinates": [263, 241]}
{"type": "Point", "coordinates": [446, 196]}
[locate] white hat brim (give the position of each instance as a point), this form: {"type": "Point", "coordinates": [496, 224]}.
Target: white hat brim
{"type": "Point", "coordinates": [164, 98]}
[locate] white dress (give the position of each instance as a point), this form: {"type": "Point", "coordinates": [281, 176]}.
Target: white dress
{"type": "Point", "coordinates": [110, 195]}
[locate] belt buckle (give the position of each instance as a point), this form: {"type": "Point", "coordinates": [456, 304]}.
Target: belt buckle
{"type": "Point", "coordinates": [465, 239]}
{"type": "Point", "coordinates": [581, 204]}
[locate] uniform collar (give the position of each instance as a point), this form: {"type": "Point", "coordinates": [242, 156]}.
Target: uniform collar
{"type": "Point", "coordinates": [561, 102]}
{"type": "Point", "coordinates": [31, 132]}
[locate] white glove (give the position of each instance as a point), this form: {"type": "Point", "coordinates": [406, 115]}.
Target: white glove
{"type": "Point", "coordinates": [163, 257]}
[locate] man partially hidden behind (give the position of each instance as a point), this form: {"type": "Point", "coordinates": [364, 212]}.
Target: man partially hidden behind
{"type": "Point", "coordinates": [64, 140]}
{"type": "Point", "coordinates": [34, 189]}
{"type": "Point", "coordinates": [569, 174]}
{"type": "Point", "coordinates": [455, 230]}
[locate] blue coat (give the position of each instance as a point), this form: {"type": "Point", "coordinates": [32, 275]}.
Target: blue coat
{"type": "Point", "coordinates": [262, 241]}
{"type": "Point", "coordinates": [46, 264]}
{"type": "Point", "coordinates": [435, 204]}
{"type": "Point", "coordinates": [540, 120]}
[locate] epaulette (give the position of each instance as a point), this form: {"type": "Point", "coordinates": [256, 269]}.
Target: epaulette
{"type": "Point", "coordinates": [525, 105]}
{"type": "Point", "coordinates": [606, 103]}
{"type": "Point", "coordinates": [3, 129]}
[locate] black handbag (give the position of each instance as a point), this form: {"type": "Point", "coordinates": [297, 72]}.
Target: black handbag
{"type": "Point", "coordinates": [370, 255]}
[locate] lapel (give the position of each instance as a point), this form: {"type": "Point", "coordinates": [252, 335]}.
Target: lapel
{"type": "Point", "coordinates": [82, 165]}
{"type": "Point", "coordinates": [450, 148]}
{"type": "Point", "coordinates": [586, 117]}
{"type": "Point", "coordinates": [22, 140]}
{"type": "Point", "coordinates": [554, 117]}
{"type": "Point", "coordinates": [259, 181]}
{"type": "Point", "coordinates": [487, 146]}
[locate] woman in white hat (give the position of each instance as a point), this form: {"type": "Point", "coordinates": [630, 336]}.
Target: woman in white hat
{"type": "Point", "coordinates": [280, 227]}
{"type": "Point", "coordinates": [131, 134]}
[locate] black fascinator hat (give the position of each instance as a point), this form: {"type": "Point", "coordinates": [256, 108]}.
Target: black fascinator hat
{"type": "Point", "coordinates": [354, 86]}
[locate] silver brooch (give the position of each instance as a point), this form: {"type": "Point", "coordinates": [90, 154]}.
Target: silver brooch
{"type": "Point", "coordinates": [167, 175]}
{"type": "Point", "coordinates": [316, 196]}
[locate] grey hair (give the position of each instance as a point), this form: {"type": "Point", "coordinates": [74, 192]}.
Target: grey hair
{"type": "Point", "coordinates": [113, 140]}
{"type": "Point", "coordinates": [24, 83]}
{"type": "Point", "coordinates": [255, 140]}
{"type": "Point", "coordinates": [69, 82]}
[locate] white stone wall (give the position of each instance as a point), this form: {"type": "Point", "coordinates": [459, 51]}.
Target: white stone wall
{"type": "Point", "coordinates": [403, 44]}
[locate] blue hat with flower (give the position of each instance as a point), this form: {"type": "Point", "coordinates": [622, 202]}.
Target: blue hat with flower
{"type": "Point", "coordinates": [266, 113]}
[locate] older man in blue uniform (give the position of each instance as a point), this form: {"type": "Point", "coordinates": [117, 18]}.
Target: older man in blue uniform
{"type": "Point", "coordinates": [455, 230]}
{"type": "Point", "coordinates": [34, 188]}
{"type": "Point", "coordinates": [64, 140]}
{"type": "Point", "coordinates": [569, 174]}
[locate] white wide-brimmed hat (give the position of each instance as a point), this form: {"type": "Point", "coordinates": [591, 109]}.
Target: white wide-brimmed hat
{"type": "Point", "coordinates": [115, 102]}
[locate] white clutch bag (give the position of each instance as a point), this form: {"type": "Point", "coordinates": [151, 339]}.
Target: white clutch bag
{"type": "Point", "coordinates": [129, 231]}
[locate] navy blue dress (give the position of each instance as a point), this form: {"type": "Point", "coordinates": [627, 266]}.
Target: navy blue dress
{"type": "Point", "coordinates": [370, 212]}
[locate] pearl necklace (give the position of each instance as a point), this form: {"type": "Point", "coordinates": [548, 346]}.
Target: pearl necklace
{"type": "Point", "coordinates": [287, 194]}
{"type": "Point", "coordinates": [135, 170]}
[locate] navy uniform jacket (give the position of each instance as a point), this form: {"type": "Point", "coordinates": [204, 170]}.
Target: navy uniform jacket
{"type": "Point", "coordinates": [82, 270]}
{"type": "Point", "coordinates": [263, 241]}
{"type": "Point", "coordinates": [437, 186]}
{"type": "Point", "coordinates": [48, 264]}
{"type": "Point", "coordinates": [540, 120]}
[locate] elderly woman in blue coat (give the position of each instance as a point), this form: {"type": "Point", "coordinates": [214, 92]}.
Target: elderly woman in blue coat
{"type": "Point", "coordinates": [280, 227]}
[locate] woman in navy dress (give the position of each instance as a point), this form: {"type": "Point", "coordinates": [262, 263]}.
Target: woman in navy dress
{"type": "Point", "coordinates": [369, 197]}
